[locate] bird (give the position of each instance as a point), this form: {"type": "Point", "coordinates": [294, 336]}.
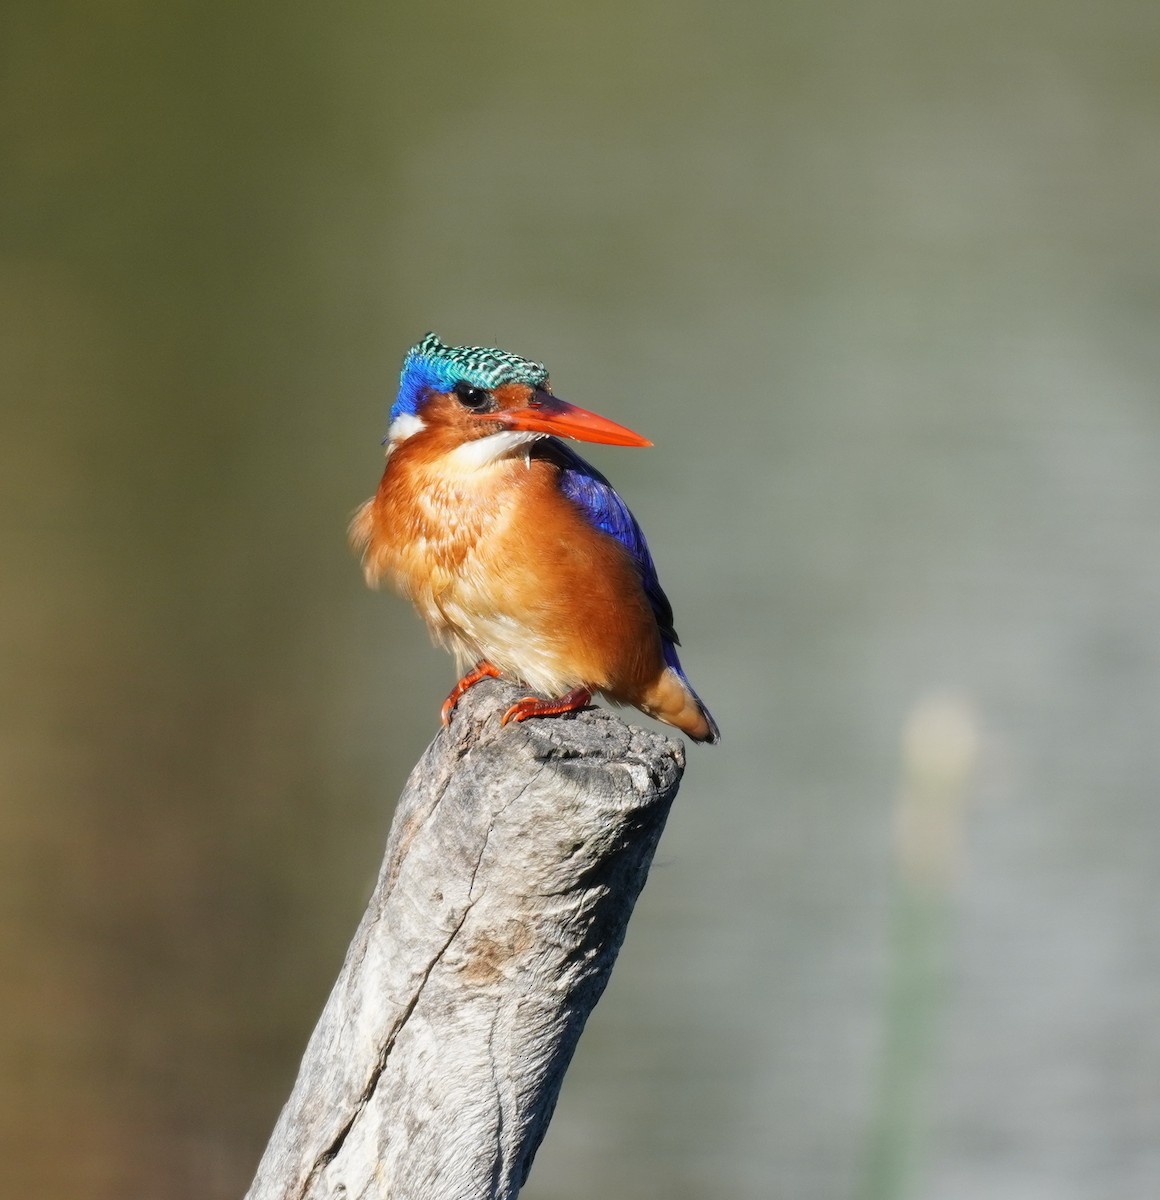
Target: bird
{"type": "Point", "coordinates": [517, 553]}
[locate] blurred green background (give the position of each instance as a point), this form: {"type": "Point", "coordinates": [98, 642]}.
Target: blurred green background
{"type": "Point", "coordinates": [883, 284]}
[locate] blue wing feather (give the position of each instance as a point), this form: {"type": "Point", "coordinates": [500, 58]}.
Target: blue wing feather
{"type": "Point", "coordinates": [583, 484]}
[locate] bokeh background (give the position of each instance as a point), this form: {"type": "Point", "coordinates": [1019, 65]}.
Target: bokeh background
{"type": "Point", "coordinates": [881, 281]}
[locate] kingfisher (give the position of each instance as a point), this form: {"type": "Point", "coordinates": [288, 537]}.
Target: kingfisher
{"type": "Point", "coordinates": [518, 554]}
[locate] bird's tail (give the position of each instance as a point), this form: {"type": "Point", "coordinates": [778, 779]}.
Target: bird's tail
{"type": "Point", "coordinates": [672, 699]}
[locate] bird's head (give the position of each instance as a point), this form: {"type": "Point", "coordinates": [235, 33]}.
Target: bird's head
{"type": "Point", "coordinates": [470, 393]}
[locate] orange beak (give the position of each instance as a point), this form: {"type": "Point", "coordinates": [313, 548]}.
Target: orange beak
{"type": "Point", "coordinates": [545, 413]}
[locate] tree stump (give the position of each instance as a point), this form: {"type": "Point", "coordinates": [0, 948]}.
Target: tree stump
{"type": "Point", "coordinates": [513, 863]}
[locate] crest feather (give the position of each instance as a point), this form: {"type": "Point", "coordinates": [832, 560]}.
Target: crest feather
{"type": "Point", "coordinates": [433, 366]}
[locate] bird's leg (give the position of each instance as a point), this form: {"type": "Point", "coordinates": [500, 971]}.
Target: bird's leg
{"type": "Point", "coordinates": [533, 706]}
{"type": "Point", "coordinates": [482, 670]}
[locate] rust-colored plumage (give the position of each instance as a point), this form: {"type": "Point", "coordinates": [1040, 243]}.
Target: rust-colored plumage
{"type": "Point", "coordinates": [509, 546]}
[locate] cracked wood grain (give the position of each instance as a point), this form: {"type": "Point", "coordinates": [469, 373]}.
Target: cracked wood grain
{"type": "Point", "coordinates": [512, 867]}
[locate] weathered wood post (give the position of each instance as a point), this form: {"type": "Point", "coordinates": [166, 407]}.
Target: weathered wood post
{"type": "Point", "coordinates": [513, 864]}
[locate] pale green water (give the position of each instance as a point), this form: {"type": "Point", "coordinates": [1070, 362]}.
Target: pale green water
{"type": "Point", "coordinates": [882, 283]}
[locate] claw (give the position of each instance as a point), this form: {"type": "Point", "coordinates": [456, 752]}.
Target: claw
{"type": "Point", "coordinates": [482, 670]}
{"type": "Point", "coordinates": [533, 706]}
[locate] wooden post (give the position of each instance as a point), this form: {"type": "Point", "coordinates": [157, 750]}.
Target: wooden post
{"type": "Point", "coordinates": [513, 864]}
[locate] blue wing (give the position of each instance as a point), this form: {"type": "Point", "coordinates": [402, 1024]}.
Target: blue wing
{"type": "Point", "coordinates": [583, 484]}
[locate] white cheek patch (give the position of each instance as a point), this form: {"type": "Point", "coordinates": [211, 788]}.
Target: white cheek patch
{"type": "Point", "coordinates": [482, 452]}
{"type": "Point", "coordinates": [405, 425]}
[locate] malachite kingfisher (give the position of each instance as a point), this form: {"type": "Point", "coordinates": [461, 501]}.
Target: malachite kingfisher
{"type": "Point", "coordinates": [517, 553]}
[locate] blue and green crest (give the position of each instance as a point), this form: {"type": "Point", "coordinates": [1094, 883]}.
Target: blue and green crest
{"type": "Point", "coordinates": [430, 366]}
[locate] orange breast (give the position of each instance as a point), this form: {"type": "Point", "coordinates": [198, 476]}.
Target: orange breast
{"type": "Point", "coordinates": [503, 567]}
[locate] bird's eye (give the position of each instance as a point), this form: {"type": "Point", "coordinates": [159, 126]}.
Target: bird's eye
{"type": "Point", "coordinates": [475, 398]}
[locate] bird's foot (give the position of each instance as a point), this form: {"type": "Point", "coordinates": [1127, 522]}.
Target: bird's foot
{"type": "Point", "coordinates": [533, 706]}
{"type": "Point", "coordinates": [482, 670]}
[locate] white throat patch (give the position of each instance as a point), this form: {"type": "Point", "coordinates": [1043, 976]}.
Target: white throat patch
{"type": "Point", "coordinates": [405, 425]}
{"type": "Point", "coordinates": [482, 452]}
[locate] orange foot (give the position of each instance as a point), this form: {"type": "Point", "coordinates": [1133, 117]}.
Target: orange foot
{"type": "Point", "coordinates": [482, 670]}
{"type": "Point", "coordinates": [533, 706]}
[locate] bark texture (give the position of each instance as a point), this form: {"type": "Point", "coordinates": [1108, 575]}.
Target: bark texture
{"type": "Point", "coordinates": [513, 864]}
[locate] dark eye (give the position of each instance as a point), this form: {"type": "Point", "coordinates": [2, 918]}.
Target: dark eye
{"type": "Point", "coordinates": [476, 398]}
